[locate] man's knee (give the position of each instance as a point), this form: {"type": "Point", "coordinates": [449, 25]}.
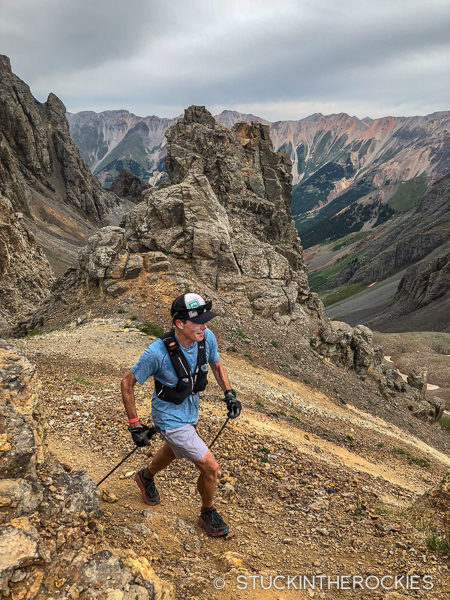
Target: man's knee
{"type": "Point", "coordinates": [208, 465]}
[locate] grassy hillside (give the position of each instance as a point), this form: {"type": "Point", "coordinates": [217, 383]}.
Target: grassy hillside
{"type": "Point", "coordinates": [407, 194]}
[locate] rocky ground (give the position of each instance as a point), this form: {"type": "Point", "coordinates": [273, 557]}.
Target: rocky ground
{"type": "Point", "coordinates": [310, 483]}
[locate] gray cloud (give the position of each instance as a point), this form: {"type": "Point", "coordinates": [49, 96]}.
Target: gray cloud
{"type": "Point", "coordinates": [283, 58]}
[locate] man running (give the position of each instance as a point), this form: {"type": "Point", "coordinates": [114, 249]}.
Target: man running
{"type": "Point", "coordinates": [178, 361]}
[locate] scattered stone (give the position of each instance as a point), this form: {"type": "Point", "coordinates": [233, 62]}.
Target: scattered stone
{"type": "Point", "coordinates": [108, 496]}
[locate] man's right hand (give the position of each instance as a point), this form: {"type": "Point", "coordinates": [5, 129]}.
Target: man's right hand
{"type": "Point", "coordinates": [142, 434]}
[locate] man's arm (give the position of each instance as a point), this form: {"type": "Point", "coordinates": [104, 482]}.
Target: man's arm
{"type": "Point", "coordinates": [221, 375]}
{"type": "Point", "coordinates": [127, 388]}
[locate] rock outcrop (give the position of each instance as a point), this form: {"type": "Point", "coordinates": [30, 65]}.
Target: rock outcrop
{"type": "Point", "coordinates": [423, 283]}
{"type": "Point", "coordinates": [25, 273]}
{"type": "Point", "coordinates": [38, 497]}
{"type": "Point", "coordinates": [422, 298]}
{"type": "Point", "coordinates": [127, 185]}
{"type": "Point", "coordinates": [351, 347]}
{"type": "Point", "coordinates": [222, 225]}
{"type": "Point", "coordinates": [226, 214]}
{"type": "Point", "coordinates": [434, 506]}
{"type": "Point", "coordinates": [42, 173]}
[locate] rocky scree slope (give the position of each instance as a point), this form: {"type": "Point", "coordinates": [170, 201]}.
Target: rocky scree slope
{"type": "Point", "coordinates": [305, 481]}
{"type": "Point", "coordinates": [43, 175]}
{"type": "Point", "coordinates": [25, 273]}
{"type": "Point", "coordinates": [223, 228]}
{"type": "Point", "coordinates": [50, 534]}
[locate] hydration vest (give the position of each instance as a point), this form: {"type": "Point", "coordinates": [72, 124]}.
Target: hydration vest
{"type": "Point", "coordinates": [188, 382]}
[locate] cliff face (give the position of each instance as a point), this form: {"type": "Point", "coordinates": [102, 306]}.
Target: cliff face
{"type": "Point", "coordinates": [42, 173]}
{"type": "Point", "coordinates": [422, 300]}
{"type": "Point", "coordinates": [424, 283]}
{"type": "Point", "coordinates": [25, 273]}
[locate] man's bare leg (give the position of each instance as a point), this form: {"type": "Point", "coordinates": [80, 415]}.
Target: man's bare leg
{"type": "Point", "coordinates": [207, 481]}
{"type": "Point", "coordinates": [160, 460]}
{"type": "Point", "coordinates": [209, 518]}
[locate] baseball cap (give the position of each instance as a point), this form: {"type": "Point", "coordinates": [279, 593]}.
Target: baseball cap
{"type": "Point", "coordinates": [193, 307]}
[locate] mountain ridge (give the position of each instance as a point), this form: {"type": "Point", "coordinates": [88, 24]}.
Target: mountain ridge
{"type": "Point", "coordinates": [335, 158]}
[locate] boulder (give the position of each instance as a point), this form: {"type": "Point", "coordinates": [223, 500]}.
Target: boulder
{"type": "Point", "coordinates": [133, 267]}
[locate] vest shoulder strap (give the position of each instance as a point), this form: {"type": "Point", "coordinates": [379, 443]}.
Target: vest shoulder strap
{"type": "Point", "coordinates": [201, 357]}
{"type": "Point", "coordinates": [176, 355]}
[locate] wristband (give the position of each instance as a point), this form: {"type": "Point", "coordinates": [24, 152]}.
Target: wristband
{"type": "Point", "coordinates": [135, 420]}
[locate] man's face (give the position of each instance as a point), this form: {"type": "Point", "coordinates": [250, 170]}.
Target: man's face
{"type": "Point", "coordinates": [195, 332]}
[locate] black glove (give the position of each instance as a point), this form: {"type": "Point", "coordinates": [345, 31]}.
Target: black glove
{"type": "Point", "coordinates": [233, 405]}
{"type": "Point", "coordinates": [142, 435]}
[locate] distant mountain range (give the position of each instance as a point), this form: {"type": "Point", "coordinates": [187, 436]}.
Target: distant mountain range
{"type": "Point", "coordinates": [348, 173]}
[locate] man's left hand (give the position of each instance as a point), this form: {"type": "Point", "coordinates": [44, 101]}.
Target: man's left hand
{"type": "Point", "coordinates": [233, 405]}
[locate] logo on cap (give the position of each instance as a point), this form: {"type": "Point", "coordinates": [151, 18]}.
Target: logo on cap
{"type": "Point", "coordinates": [193, 304]}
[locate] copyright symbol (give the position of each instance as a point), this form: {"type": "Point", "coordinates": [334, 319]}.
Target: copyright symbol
{"type": "Point", "coordinates": [219, 583]}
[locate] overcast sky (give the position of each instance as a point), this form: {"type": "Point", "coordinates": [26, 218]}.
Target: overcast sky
{"type": "Point", "coordinates": [278, 59]}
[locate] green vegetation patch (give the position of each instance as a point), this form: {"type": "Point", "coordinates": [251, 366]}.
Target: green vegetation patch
{"type": "Point", "coordinates": [445, 424]}
{"type": "Point", "coordinates": [152, 329]}
{"type": "Point", "coordinates": [350, 239]}
{"type": "Point", "coordinates": [343, 292]}
{"type": "Point", "coordinates": [320, 280]}
{"type": "Point", "coordinates": [33, 332]}
{"type": "Point", "coordinates": [438, 542]}
{"type": "Point", "coordinates": [83, 381]}
{"type": "Point", "coordinates": [407, 194]}
{"type": "Point", "coordinates": [413, 460]}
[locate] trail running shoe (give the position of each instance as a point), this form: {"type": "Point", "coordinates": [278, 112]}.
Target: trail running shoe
{"type": "Point", "coordinates": [148, 488]}
{"type": "Point", "coordinates": [212, 522]}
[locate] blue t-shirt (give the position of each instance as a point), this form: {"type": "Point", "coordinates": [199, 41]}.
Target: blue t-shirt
{"type": "Point", "coordinates": [155, 361]}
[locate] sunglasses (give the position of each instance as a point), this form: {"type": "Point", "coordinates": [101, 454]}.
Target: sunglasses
{"type": "Point", "coordinates": [196, 312]}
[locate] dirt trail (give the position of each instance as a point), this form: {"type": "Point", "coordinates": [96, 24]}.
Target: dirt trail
{"type": "Point", "coordinates": [307, 486]}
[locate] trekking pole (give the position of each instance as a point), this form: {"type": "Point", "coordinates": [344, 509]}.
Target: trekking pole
{"type": "Point", "coordinates": [220, 431]}
{"type": "Point", "coordinates": [151, 432]}
{"type": "Point", "coordinates": [117, 466]}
